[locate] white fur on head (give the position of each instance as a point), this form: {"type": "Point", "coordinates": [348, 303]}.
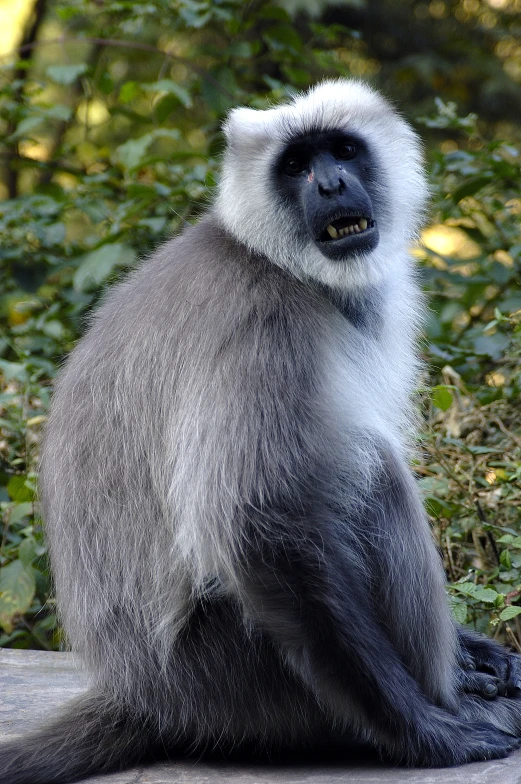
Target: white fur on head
{"type": "Point", "coordinates": [246, 201]}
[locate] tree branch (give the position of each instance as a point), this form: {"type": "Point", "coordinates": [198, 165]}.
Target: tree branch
{"type": "Point", "coordinates": [125, 45]}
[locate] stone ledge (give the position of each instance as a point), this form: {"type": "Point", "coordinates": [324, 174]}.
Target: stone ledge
{"type": "Point", "coordinates": [34, 684]}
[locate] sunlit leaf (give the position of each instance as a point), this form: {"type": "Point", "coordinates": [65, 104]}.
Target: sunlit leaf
{"type": "Point", "coordinates": [66, 74]}
{"type": "Point", "coordinates": [131, 153]}
{"type": "Point", "coordinates": [19, 489]}
{"type": "Point", "coordinates": [442, 397]}
{"type": "Point", "coordinates": [20, 511]}
{"type": "Point", "coordinates": [169, 86]}
{"type": "Point", "coordinates": [96, 266]}
{"type": "Point", "coordinates": [509, 612]}
{"type": "Point", "coordinates": [458, 609]}
{"type": "Point", "coordinates": [17, 586]}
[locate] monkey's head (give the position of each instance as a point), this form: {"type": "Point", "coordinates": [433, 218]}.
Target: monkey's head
{"type": "Point", "coordinates": [329, 186]}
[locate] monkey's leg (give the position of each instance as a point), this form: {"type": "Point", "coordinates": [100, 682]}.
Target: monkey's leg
{"type": "Point", "coordinates": [232, 690]}
{"type": "Point", "coordinates": [224, 689]}
{"type": "Point", "coordinates": [311, 595]}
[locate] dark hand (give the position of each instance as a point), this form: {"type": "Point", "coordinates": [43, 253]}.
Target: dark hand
{"type": "Point", "coordinates": [487, 668]}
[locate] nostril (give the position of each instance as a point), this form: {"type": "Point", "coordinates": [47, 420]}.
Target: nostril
{"type": "Point", "coordinates": [331, 188]}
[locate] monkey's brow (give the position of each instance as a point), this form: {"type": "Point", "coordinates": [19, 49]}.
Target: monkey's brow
{"type": "Point", "coordinates": [292, 130]}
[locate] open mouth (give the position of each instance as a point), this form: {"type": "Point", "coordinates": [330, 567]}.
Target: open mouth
{"type": "Point", "coordinates": [345, 227]}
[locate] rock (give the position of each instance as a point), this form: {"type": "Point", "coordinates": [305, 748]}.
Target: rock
{"type": "Point", "coordinates": [34, 684]}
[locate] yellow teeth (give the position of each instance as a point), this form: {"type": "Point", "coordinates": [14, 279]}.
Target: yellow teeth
{"type": "Point", "coordinates": [354, 229]}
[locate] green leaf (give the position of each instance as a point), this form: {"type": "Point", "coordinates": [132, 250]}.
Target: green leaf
{"type": "Point", "coordinates": [509, 612]}
{"type": "Point", "coordinates": [53, 328]}
{"type": "Point", "coordinates": [505, 560]}
{"type": "Point", "coordinates": [20, 511]}
{"type": "Point", "coordinates": [171, 87]}
{"type": "Point", "coordinates": [166, 106]}
{"type": "Point", "coordinates": [283, 37]}
{"type": "Point", "coordinates": [243, 49]}
{"type": "Point", "coordinates": [438, 508]}
{"type": "Point", "coordinates": [54, 234]}
{"type": "Point", "coordinates": [442, 397]}
{"type": "Point", "coordinates": [477, 592]}
{"type": "Point", "coordinates": [13, 370]}
{"type": "Point", "coordinates": [128, 91]}
{"type": "Point", "coordinates": [470, 187]}
{"type": "Point", "coordinates": [27, 551]}
{"type": "Point", "coordinates": [194, 14]}
{"type": "Point", "coordinates": [155, 224]}
{"type": "Point", "coordinates": [98, 265]}
{"type": "Point", "coordinates": [132, 153]}
{"type": "Point", "coordinates": [59, 112]}
{"type": "Point", "coordinates": [491, 345]}
{"type": "Point", "coordinates": [458, 609]}
{"type": "Point", "coordinates": [66, 74]}
{"type": "Point", "coordinates": [17, 587]}
{"type": "Point", "coordinates": [506, 539]}
{"type": "Point", "coordinates": [18, 489]}
{"type": "Point", "coordinates": [27, 125]}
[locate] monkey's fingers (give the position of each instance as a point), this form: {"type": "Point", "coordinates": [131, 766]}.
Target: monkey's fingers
{"type": "Point", "coordinates": [487, 657]}
{"type": "Point", "coordinates": [481, 683]}
{"type": "Point", "coordinates": [466, 662]}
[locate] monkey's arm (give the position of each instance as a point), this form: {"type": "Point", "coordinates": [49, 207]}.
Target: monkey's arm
{"type": "Point", "coordinates": [487, 668]}
{"type": "Point", "coordinates": [312, 598]}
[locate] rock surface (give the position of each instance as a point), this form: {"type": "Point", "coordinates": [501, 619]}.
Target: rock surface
{"type": "Point", "coordinates": [34, 684]}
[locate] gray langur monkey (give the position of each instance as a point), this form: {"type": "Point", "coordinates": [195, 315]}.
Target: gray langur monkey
{"type": "Point", "coordinates": [240, 551]}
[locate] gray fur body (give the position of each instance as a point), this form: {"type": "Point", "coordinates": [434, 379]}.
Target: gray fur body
{"type": "Point", "coordinates": [239, 549]}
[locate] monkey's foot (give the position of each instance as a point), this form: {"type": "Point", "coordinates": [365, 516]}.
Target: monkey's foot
{"type": "Point", "coordinates": [487, 668]}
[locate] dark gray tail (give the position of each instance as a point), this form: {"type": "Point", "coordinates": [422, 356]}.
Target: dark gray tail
{"type": "Point", "coordinates": [93, 736]}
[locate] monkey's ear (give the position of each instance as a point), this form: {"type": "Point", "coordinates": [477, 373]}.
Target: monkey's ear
{"type": "Point", "coordinates": [246, 127]}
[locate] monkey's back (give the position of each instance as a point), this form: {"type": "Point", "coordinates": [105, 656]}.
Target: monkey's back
{"type": "Point", "coordinates": [168, 396]}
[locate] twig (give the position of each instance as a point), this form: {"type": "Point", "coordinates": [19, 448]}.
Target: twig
{"type": "Point", "coordinates": [483, 518]}
{"type": "Point", "coordinates": [125, 45]}
{"type": "Point", "coordinates": [515, 641]}
{"type": "Point", "coordinates": [505, 430]}
{"type": "Point", "coordinates": [452, 567]}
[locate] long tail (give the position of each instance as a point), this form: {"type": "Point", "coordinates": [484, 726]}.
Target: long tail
{"type": "Point", "coordinates": [93, 736]}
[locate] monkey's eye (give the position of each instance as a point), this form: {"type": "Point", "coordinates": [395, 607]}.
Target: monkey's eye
{"type": "Point", "coordinates": [346, 151]}
{"type": "Point", "coordinates": [294, 165]}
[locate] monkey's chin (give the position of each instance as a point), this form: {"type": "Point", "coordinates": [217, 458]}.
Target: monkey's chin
{"type": "Point", "coordinates": [342, 248]}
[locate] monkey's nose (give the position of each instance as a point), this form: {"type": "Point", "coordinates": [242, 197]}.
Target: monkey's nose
{"type": "Point", "coordinates": [330, 188]}
{"type": "Point", "coordinates": [329, 182]}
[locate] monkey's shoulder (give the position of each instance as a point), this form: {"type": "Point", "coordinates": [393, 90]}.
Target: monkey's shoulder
{"type": "Point", "coordinates": [200, 278]}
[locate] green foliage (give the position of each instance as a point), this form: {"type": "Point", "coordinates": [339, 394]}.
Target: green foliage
{"type": "Point", "coordinates": [110, 142]}
{"type": "Point", "coordinates": [477, 192]}
{"type": "Point", "coordinates": [106, 150]}
{"type": "Point", "coordinates": [471, 477]}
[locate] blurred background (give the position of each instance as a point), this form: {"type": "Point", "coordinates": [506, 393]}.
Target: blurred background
{"type": "Point", "coordinates": [110, 139]}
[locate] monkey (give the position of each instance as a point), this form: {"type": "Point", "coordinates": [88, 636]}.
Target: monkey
{"type": "Point", "coordinates": [240, 551]}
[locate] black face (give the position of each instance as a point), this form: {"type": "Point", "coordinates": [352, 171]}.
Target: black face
{"type": "Point", "coordinates": [330, 177]}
